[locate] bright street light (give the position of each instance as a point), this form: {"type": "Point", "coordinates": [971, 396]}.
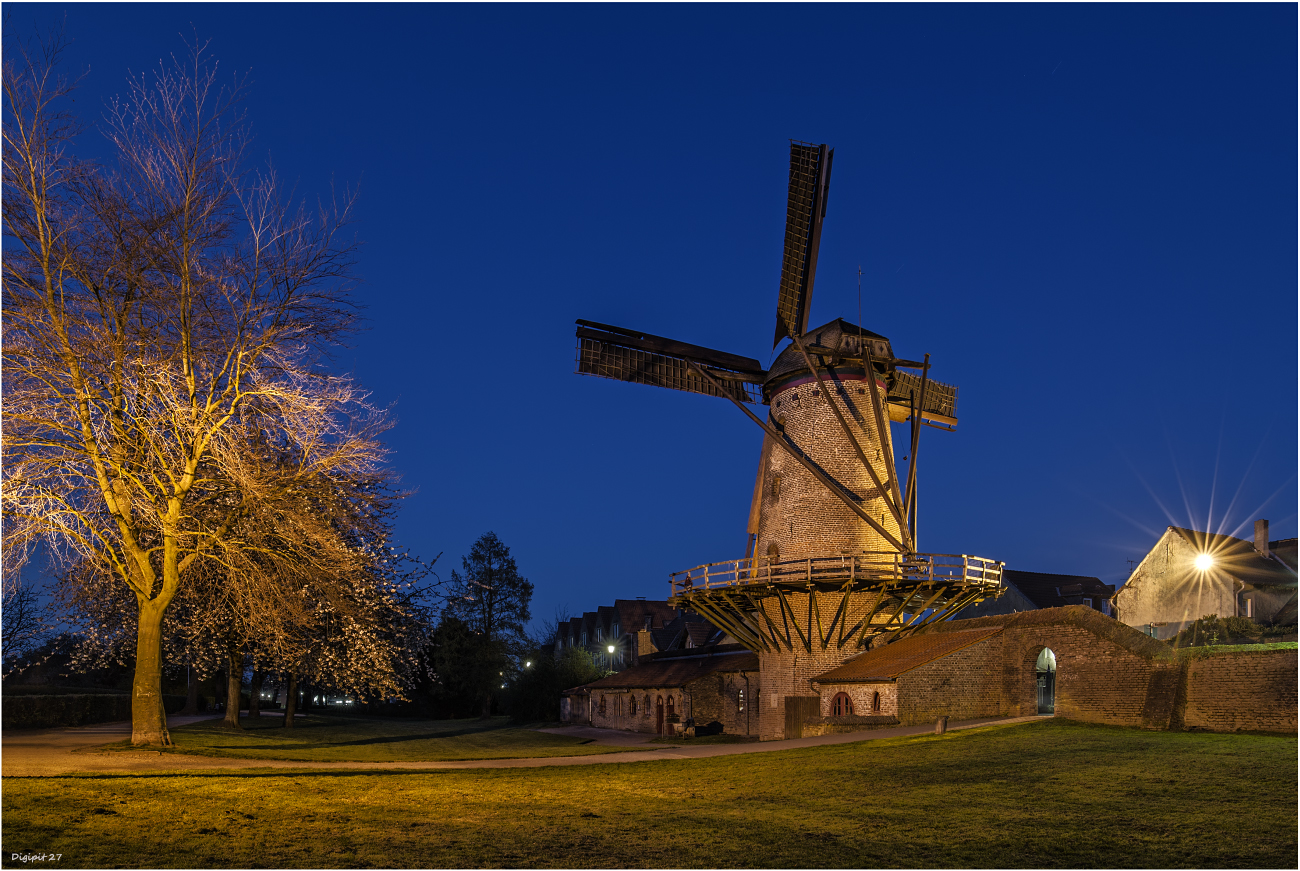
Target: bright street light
{"type": "Point", "coordinates": [1203, 562]}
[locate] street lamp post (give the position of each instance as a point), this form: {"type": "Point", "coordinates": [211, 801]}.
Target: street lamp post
{"type": "Point", "coordinates": [611, 657]}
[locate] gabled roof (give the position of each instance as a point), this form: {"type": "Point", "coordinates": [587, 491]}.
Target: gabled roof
{"type": "Point", "coordinates": [1049, 590]}
{"type": "Point", "coordinates": [888, 662]}
{"type": "Point", "coordinates": [1238, 558]}
{"type": "Point", "coordinates": [676, 671]}
{"type": "Point", "coordinates": [632, 613]}
{"type": "Point", "coordinates": [1285, 550]}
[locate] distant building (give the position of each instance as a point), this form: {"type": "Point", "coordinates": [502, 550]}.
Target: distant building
{"type": "Point", "coordinates": [1191, 574]}
{"type": "Point", "coordinates": [713, 688]}
{"type": "Point", "coordinates": [635, 628]}
{"type": "Point", "coordinates": [1032, 591]}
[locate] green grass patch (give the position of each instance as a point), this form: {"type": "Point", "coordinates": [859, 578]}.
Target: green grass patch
{"type": "Point", "coordinates": [1208, 650]}
{"type": "Point", "coordinates": [1044, 794]}
{"type": "Point", "coordinates": [327, 738]}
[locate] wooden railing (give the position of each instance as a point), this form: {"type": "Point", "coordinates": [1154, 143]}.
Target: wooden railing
{"type": "Point", "coordinates": [957, 569]}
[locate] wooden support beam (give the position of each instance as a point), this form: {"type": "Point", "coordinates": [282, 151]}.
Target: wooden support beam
{"type": "Point", "coordinates": [804, 460]}
{"type": "Point", "coordinates": [848, 433]}
{"type": "Point", "coordinates": [738, 608]}
{"type": "Point", "coordinates": [794, 621]}
{"type": "Point", "coordinates": [723, 621]}
{"type": "Point", "coordinates": [875, 609]}
{"type": "Point", "coordinates": [776, 635]}
{"type": "Point", "coordinates": [837, 624]}
{"type": "Point", "coordinates": [880, 428]}
{"type": "Point", "coordinates": [815, 615]}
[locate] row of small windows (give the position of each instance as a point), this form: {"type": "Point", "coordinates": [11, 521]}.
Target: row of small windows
{"type": "Point", "coordinates": [603, 708]}
{"type": "Point", "coordinates": [842, 705]}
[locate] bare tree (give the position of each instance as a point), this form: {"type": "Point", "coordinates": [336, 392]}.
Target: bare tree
{"type": "Point", "coordinates": [24, 616]}
{"type": "Point", "coordinates": [160, 319]}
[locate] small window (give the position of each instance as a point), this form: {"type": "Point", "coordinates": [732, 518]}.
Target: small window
{"type": "Point", "coordinates": [614, 633]}
{"type": "Point", "coordinates": [648, 618]}
{"type": "Point", "coordinates": [631, 706]}
{"type": "Point", "coordinates": [602, 706]}
{"type": "Point", "coordinates": [584, 638]}
{"type": "Point", "coordinates": [774, 552]}
{"type": "Point", "coordinates": [1087, 603]}
{"type": "Point", "coordinates": [647, 704]}
{"type": "Point", "coordinates": [875, 702]}
{"type": "Point", "coordinates": [670, 706]}
{"type": "Point", "coordinates": [776, 486]}
{"type": "Point", "coordinates": [740, 700]}
{"type": "Point", "coordinates": [841, 705]}
{"type": "Point", "coordinates": [1250, 607]}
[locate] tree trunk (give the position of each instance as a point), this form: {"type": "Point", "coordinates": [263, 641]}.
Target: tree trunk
{"type": "Point", "coordinates": [255, 695]}
{"type": "Point", "coordinates": [192, 693]}
{"type": "Point", "coordinates": [291, 700]}
{"type": "Point", "coordinates": [486, 709]}
{"type": "Point", "coordinates": [234, 680]}
{"type": "Point", "coordinates": [148, 718]}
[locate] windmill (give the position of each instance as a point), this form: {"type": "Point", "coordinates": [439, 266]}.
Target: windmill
{"type": "Point", "coordinates": [831, 559]}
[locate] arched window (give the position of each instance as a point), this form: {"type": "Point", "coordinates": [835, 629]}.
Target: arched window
{"type": "Point", "coordinates": [631, 706]}
{"type": "Point", "coordinates": [647, 704]}
{"type": "Point", "coordinates": [875, 702]}
{"type": "Point", "coordinates": [774, 552]}
{"type": "Point", "coordinates": [670, 706]}
{"type": "Point", "coordinates": [841, 705]}
{"type": "Point", "coordinates": [602, 706]}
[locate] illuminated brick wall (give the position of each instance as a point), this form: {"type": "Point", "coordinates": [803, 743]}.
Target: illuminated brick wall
{"type": "Point", "coordinates": [799, 515]}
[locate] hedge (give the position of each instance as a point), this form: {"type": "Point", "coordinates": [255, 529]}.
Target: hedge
{"type": "Point", "coordinates": [48, 711]}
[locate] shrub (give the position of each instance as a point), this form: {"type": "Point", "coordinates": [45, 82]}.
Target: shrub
{"type": "Point", "coordinates": [44, 711]}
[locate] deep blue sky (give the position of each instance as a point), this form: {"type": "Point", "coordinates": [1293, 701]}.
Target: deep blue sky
{"type": "Point", "coordinates": [1086, 214]}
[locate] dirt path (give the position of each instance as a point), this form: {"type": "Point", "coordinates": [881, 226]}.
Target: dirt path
{"type": "Point", "coordinates": [54, 752]}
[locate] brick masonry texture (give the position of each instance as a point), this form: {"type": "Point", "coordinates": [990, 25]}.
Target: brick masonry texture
{"type": "Point", "coordinates": [799, 516]}
{"type": "Point", "coordinates": [725, 697]}
{"type": "Point", "coordinates": [1245, 691]}
{"type": "Point", "coordinates": [1106, 673]}
{"type": "Point", "coordinates": [789, 673]}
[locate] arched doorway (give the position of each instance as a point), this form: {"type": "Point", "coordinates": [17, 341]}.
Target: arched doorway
{"type": "Point", "coordinates": [1045, 678]}
{"type": "Point", "coordinates": [659, 715]}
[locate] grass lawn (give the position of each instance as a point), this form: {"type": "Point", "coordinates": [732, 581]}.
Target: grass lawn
{"type": "Point", "coordinates": [326, 738]}
{"type": "Point", "coordinates": [1043, 794]}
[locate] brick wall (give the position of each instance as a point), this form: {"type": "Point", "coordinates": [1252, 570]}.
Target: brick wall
{"type": "Point", "coordinates": [726, 697]}
{"type": "Point", "coordinates": [789, 673]}
{"type": "Point", "coordinates": [861, 694]}
{"type": "Point", "coordinates": [798, 514]}
{"type": "Point", "coordinates": [618, 707]}
{"type": "Point", "coordinates": [963, 685]}
{"type": "Point", "coordinates": [1251, 691]}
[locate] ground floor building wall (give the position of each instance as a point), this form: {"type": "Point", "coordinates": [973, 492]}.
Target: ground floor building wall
{"type": "Point", "coordinates": [1246, 691]}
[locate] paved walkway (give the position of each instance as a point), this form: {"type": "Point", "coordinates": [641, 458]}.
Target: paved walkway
{"type": "Point", "coordinates": [53, 752]}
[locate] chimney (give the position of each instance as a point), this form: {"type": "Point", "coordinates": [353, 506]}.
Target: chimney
{"type": "Point", "coordinates": [1261, 538]}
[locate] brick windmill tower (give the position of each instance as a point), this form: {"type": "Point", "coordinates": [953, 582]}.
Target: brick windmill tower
{"type": "Point", "coordinates": [831, 562]}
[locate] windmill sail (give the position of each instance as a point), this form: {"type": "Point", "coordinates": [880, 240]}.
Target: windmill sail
{"type": "Point", "coordinates": [810, 176]}
{"type": "Point", "coordinates": [641, 358]}
{"type": "Point", "coordinates": [940, 398]}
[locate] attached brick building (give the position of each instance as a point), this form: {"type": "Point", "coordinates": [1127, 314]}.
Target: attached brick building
{"type": "Point", "coordinates": [713, 685]}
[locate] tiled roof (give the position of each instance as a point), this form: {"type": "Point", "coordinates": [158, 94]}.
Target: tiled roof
{"type": "Point", "coordinates": [1238, 558]}
{"type": "Point", "coordinates": [1049, 590]}
{"type": "Point", "coordinates": [888, 662]}
{"type": "Point", "coordinates": [1285, 550]}
{"type": "Point", "coordinates": [677, 671]}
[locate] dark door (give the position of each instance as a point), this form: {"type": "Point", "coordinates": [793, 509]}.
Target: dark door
{"type": "Point", "coordinates": [659, 715]}
{"type": "Point", "coordinates": [797, 709]}
{"type": "Point", "coordinates": [1047, 692]}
